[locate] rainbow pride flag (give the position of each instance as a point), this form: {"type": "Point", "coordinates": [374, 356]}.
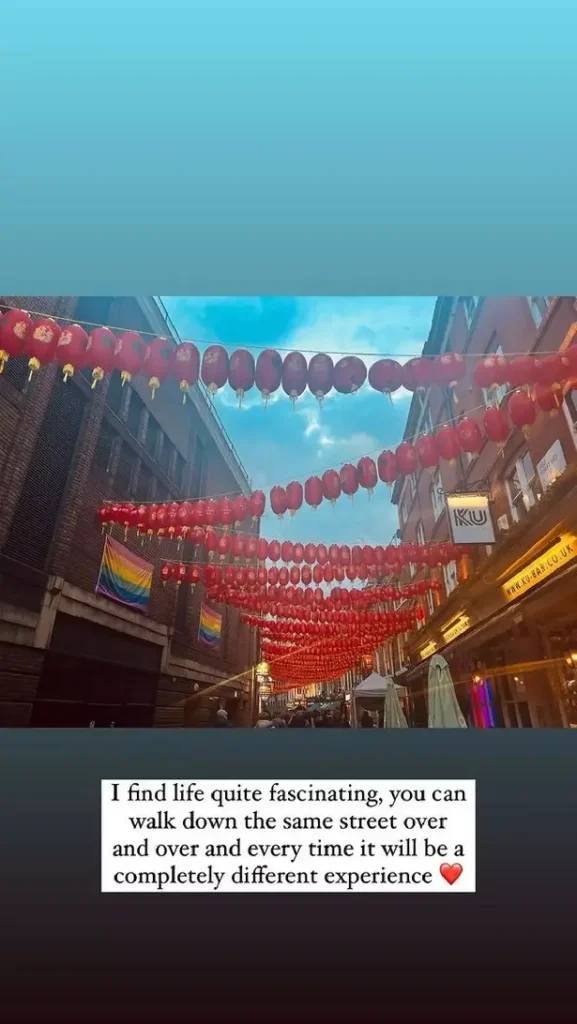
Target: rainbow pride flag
{"type": "Point", "coordinates": [210, 628]}
{"type": "Point", "coordinates": [124, 577]}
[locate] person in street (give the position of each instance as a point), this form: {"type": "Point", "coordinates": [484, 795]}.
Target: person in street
{"type": "Point", "coordinates": [222, 721]}
{"type": "Point", "coordinates": [367, 721]}
{"type": "Point", "coordinates": [298, 720]}
{"type": "Point", "coordinates": [278, 723]}
{"type": "Point", "coordinates": [340, 720]}
{"type": "Point", "coordinates": [263, 721]}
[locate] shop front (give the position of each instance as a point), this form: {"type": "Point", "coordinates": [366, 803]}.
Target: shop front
{"type": "Point", "coordinates": [509, 633]}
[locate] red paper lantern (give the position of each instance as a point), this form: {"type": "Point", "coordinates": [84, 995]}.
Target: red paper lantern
{"type": "Point", "coordinates": [240, 508]}
{"type": "Point", "coordinates": [41, 344]}
{"type": "Point", "coordinates": [357, 555]}
{"type": "Point", "coordinates": [273, 576]}
{"type": "Point", "coordinates": [100, 353]}
{"type": "Point", "coordinates": [318, 574]}
{"type": "Point", "coordinates": [250, 548]}
{"type": "Point", "coordinates": [344, 557]}
{"type": "Point", "coordinates": [522, 371]}
{"type": "Point", "coordinates": [158, 362]}
{"type": "Point", "coordinates": [306, 574]}
{"type": "Point", "coordinates": [386, 376]}
{"type": "Point", "coordinates": [273, 550]}
{"type": "Point", "coordinates": [268, 372]}
{"type": "Point", "coordinates": [496, 425]}
{"type": "Point", "coordinates": [407, 459]}
{"type": "Point", "coordinates": [448, 443]}
{"type": "Point", "coordinates": [214, 368]}
{"type": "Point", "coordinates": [294, 497]}
{"type": "Point", "coordinates": [551, 369]}
{"type": "Point", "coordinates": [349, 480]}
{"type": "Point", "coordinates": [278, 501]}
{"type": "Point", "coordinates": [387, 467]}
{"type": "Point", "coordinates": [283, 576]}
{"type": "Point", "coordinates": [257, 504]}
{"type": "Point", "coordinates": [522, 410]}
{"type": "Point", "coordinates": [310, 554]}
{"type": "Point", "coordinates": [450, 368]}
{"type": "Point", "coordinates": [470, 436]}
{"type": "Point", "coordinates": [369, 557]}
{"type": "Point", "coordinates": [129, 355]}
{"type": "Point", "coordinates": [331, 485]}
{"type": "Point", "coordinates": [262, 549]}
{"type": "Point", "coordinates": [320, 375]}
{"type": "Point", "coordinates": [70, 350]}
{"type": "Point", "coordinates": [287, 551]}
{"type": "Point", "coordinates": [313, 491]}
{"type": "Point", "coordinates": [418, 374]}
{"type": "Point", "coordinates": [490, 372]}
{"type": "Point", "coordinates": [294, 375]}
{"type": "Point", "coordinates": [241, 372]}
{"type": "Point", "coordinates": [298, 553]}
{"type": "Point", "coordinates": [226, 512]}
{"type": "Point", "coordinates": [185, 366]}
{"type": "Point", "coordinates": [548, 397]}
{"type": "Point", "coordinates": [367, 473]}
{"type": "Point", "coordinates": [166, 573]}
{"type": "Point", "coordinates": [322, 554]}
{"type": "Point", "coordinates": [427, 451]}
{"type": "Point", "coordinates": [211, 512]}
{"type": "Point", "coordinates": [351, 572]}
{"type": "Point", "coordinates": [238, 546]}
{"type": "Point", "coordinates": [193, 576]}
{"type": "Point", "coordinates": [224, 545]}
{"type": "Point", "coordinates": [15, 328]}
{"type": "Point", "coordinates": [339, 573]}
{"type": "Point", "coordinates": [172, 518]}
{"type": "Point", "coordinates": [349, 375]}
{"type": "Point", "coordinates": [295, 575]}
{"type": "Point", "coordinates": [328, 573]}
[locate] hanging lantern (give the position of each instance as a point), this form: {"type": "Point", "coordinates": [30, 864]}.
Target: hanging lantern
{"type": "Point", "coordinates": [223, 546]}
{"type": "Point", "coordinates": [161, 520]}
{"type": "Point", "coordinates": [417, 374]}
{"type": "Point", "coordinates": [310, 554]}
{"type": "Point", "coordinates": [211, 512]}
{"type": "Point", "coordinates": [185, 366]}
{"type": "Point", "coordinates": [387, 467]}
{"type": "Point", "coordinates": [322, 554]}
{"type": "Point", "coordinates": [349, 375]}
{"type": "Point", "coordinates": [286, 551]}
{"type": "Point", "coordinates": [214, 368]}
{"type": "Point", "coordinates": [283, 576]}
{"type": "Point", "coordinates": [238, 546]}
{"type": "Point", "coordinates": [495, 425]}
{"type": "Point", "coordinates": [100, 353]}
{"type": "Point", "coordinates": [331, 485]}
{"type": "Point", "coordinates": [295, 575]}
{"type": "Point", "coordinates": [320, 376]}
{"type": "Point", "coordinates": [551, 370]}
{"type": "Point", "coordinates": [294, 375]}
{"type": "Point", "coordinates": [549, 397]}
{"type": "Point", "coordinates": [41, 344]}
{"type": "Point", "coordinates": [367, 474]}
{"type": "Point", "coordinates": [448, 443]}
{"type": "Point", "coordinates": [313, 491]}
{"type": "Point", "coordinates": [407, 459]}
{"type": "Point", "coordinates": [450, 369]}
{"type": "Point", "coordinates": [262, 549]}
{"type": "Point", "coordinates": [181, 574]}
{"type": "Point", "coordinates": [250, 548]}
{"type": "Point", "coordinates": [386, 376]}
{"type": "Point", "coordinates": [15, 328]}
{"type": "Point", "coordinates": [241, 509]}
{"type": "Point", "coordinates": [278, 501]}
{"type": "Point", "coordinates": [306, 575]}
{"type": "Point", "coordinates": [470, 436]}
{"type": "Point", "coordinates": [241, 371]}
{"type": "Point", "coordinates": [257, 505]}
{"type": "Point", "coordinates": [298, 553]}
{"type": "Point", "coordinates": [339, 573]}
{"type": "Point", "coordinates": [522, 371]}
{"type": "Point", "coordinates": [349, 480]}
{"type": "Point", "coordinates": [328, 573]}
{"type": "Point", "coordinates": [172, 518]}
{"type": "Point", "coordinates": [427, 451]}
{"type": "Point", "coordinates": [491, 372]}
{"type": "Point", "coordinates": [268, 372]}
{"type": "Point", "coordinates": [294, 497]}
{"type": "Point", "coordinates": [273, 550]}
{"type": "Point", "coordinates": [272, 576]}
{"type": "Point", "coordinates": [344, 557]}
{"type": "Point", "coordinates": [166, 573]}
{"type": "Point", "coordinates": [158, 361]}
{"type": "Point", "coordinates": [198, 508]}
{"type": "Point", "coordinates": [70, 350]}
{"type": "Point", "coordinates": [226, 513]}
{"type": "Point", "coordinates": [129, 355]}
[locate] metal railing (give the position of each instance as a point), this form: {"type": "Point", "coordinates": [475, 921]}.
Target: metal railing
{"type": "Point", "coordinates": [202, 392]}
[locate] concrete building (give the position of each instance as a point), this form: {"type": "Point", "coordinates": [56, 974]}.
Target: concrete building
{"type": "Point", "coordinates": [67, 656]}
{"type": "Point", "coordinates": [521, 641]}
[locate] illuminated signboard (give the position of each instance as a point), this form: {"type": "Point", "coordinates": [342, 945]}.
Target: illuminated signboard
{"type": "Point", "coordinates": [426, 652]}
{"type": "Point", "coordinates": [549, 562]}
{"type": "Point", "coordinates": [460, 626]}
{"type": "Point", "coordinates": [470, 519]}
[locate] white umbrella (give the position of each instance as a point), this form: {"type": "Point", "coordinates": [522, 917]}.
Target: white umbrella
{"type": "Point", "coordinates": [394, 715]}
{"type": "Point", "coordinates": [444, 710]}
{"type": "Point", "coordinates": [375, 693]}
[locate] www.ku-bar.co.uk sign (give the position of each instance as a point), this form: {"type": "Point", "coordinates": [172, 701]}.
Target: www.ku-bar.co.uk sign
{"type": "Point", "coordinates": [470, 519]}
{"type": "Point", "coordinates": [549, 562]}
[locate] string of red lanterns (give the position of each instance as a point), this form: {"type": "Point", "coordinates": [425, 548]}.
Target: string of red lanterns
{"type": "Point", "coordinates": [102, 350]}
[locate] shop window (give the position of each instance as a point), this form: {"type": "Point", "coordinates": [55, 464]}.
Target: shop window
{"type": "Point", "coordinates": [522, 487]}
{"type": "Point", "coordinates": [470, 305]}
{"type": "Point", "coordinates": [538, 304]}
{"type": "Point", "coordinates": [494, 395]}
{"type": "Point", "coordinates": [437, 499]}
{"type": "Point", "coordinates": [570, 412]}
{"type": "Point", "coordinates": [451, 577]}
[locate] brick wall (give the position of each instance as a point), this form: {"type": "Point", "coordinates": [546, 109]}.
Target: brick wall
{"type": "Point", "coordinates": [20, 669]}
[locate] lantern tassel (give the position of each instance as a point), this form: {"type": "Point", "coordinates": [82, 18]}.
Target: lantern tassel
{"type": "Point", "coordinates": [4, 357]}
{"type": "Point", "coordinates": [97, 376]}
{"type": "Point", "coordinates": [67, 372]}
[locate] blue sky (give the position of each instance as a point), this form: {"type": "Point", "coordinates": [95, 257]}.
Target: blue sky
{"type": "Point", "coordinates": [281, 444]}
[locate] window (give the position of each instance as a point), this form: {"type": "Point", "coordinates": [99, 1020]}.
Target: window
{"type": "Point", "coordinates": [427, 423]}
{"type": "Point", "coordinates": [124, 477]}
{"type": "Point", "coordinates": [135, 411]}
{"type": "Point", "coordinates": [412, 485]}
{"type": "Point", "coordinates": [522, 487]}
{"type": "Point", "coordinates": [430, 602]}
{"type": "Point", "coordinates": [115, 396]}
{"type": "Point", "coordinates": [451, 577]}
{"type": "Point", "coordinates": [165, 457]}
{"type": "Point", "coordinates": [103, 450]}
{"type": "Point", "coordinates": [494, 395]}
{"type": "Point", "coordinates": [152, 438]}
{"type": "Point", "coordinates": [437, 499]}
{"type": "Point", "coordinates": [179, 471]}
{"type": "Point", "coordinates": [198, 476]}
{"type": "Point", "coordinates": [403, 512]}
{"type": "Point", "coordinates": [144, 485]}
{"type": "Point", "coordinates": [538, 304]}
{"type": "Point", "coordinates": [470, 303]}
{"type": "Point", "coordinates": [420, 533]}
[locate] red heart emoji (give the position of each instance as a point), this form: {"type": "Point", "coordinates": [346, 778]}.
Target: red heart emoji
{"type": "Point", "coordinates": [451, 872]}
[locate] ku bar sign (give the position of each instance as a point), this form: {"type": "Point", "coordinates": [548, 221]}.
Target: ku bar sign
{"type": "Point", "coordinates": [470, 519]}
{"type": "Point", "coordinates": [555, 558]}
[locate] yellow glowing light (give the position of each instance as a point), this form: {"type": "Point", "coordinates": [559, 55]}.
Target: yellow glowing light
{"type": "Point", "coordinates": [549, 562]}
{"type": "Point", "coordinates": [460, 626]}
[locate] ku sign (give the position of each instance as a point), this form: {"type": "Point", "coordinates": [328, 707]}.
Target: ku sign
{"type": "Point", "coordinates": [470, 519]}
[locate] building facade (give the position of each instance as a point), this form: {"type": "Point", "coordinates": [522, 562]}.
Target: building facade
{"type": "Point", "coordinates": [69, 657]}
{"type": "Point", "coordinates": [507, 615]}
